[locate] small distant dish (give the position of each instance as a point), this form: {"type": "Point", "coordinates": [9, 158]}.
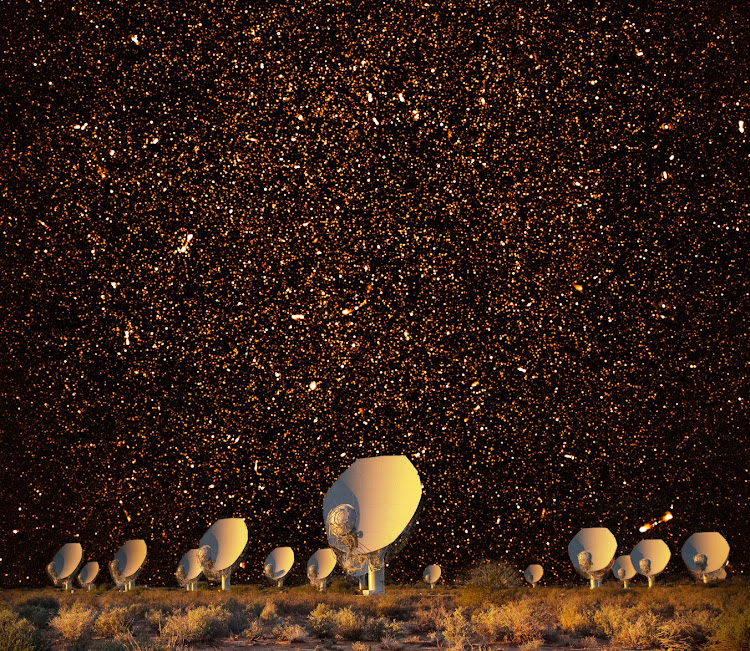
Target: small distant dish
{"type": "Point", "coordinates": [65, 564]}
{"type": "Point", "coordinates": [705, 553]}
{"type": "Point", "coordinates": [221, 549]}
{"type": "Point", "coordinates": [623, 569]}
{"type": "Point", "coordinates": [128, 563]}
{"type": "Point", "coordinates": [189, 570]}
{"type": "Point", "coordinates": [88, 574]}
{"type": "Point", "coordinates": [278, 563]}
{"type": "Point", "coordinates": [369, 513]}
{"type": "Point", "coordinates": [592, 552]}
{"type": "Point", "coordinates": [431, 575]}
{"type": "Point", "coordinates": [533, 574]}
{"type": "Point", "coordinates": [320, 566]}
{"type": "Point", "coordinates": [650, 557]}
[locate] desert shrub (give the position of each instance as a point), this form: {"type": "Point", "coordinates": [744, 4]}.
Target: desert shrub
{"type": "Point", "coordinates": [609, 619]}
{"type": "Point", "coordinates": [39, 611]}
{"type": "Point", "coordinates": [156, 618]}
{"type": "Point", "coordinates": [430, 619]}
{"type": "Point", "coordinates": [514, 622]}
{"type": "Point", "coordinates": [200, 624]}
{"type": "Point", "coordinates": [116, 621]}
{"type": "Point", "coordinates": [456, 629]}
{"type": "Point", "coordinates": [492, 575]}
{"type": "Point", "coordinates": [347, 624]}
{"type": "Point", "coordinates": [254, 629]}
{"type": "Point", "coordinates": [19, 634]}
{"type": "Point", "coordinates": [269, 611]}
{"type": "Point", "coordinates": [320, 621]}
{"type": "Point", "coordinates": [391, 643]}
{"type": "Point", "coordinates": [376, 628]}
{"type": "Point", "coordinates": [576, 617]}
{"type": "Point", "coordinates": [640, 631]}
{"type": "Point", "coordinates": [589, 642]}
{"type": "Point", "coordinates": [290, 633]}
{"type": "Point", "coordinates": [75, 625]}
{"type": "Point", "coordinates": [531, 645]}
{"type": "Point", "coordinates": [732, 632]}
{"type": "Point", "coordinates": [360, 646]}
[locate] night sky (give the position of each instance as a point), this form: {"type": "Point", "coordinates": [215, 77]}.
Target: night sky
{"type": "Point", "coordinates": [243, 245]}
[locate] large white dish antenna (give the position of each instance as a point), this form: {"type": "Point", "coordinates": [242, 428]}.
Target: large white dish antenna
{"type": "Point", "coordinates": [221, 548]}
{"type": "Point", "coordinates": [710, 544]}
{"type": "Point", "coordinates": [533, 574]}
{"type": "Point", "coordinates": [320, 565]}
{"type": "Point", "coordinates": [431, 575]}
{"type": "Point", "coordinates": [385, 493]}
{"type": "Point", "coordinates": [88, 574]}
{"type": "Point", "coordinates": [128, 562]}
{"type": "Point", "coordinates": [278, 563]}
{"type": "Point", "coordinates": [623, 569]}
{"type": "Point", "coordinates": [370, 511]}
{"type": "Point", "coordinates": [189, 569]}
{"type": "Point", "coordinates": [65, 564]}
{"type": "Point", "coordinates": [592, 551]}
{"type": "Point", "coordinates": [650, 557]}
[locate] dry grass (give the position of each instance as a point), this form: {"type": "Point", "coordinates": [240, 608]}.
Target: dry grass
{"type": "Point", "coordinates": [671, 618]}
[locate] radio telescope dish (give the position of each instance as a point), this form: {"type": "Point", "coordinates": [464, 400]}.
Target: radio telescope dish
{"type": "Point", "coordinates": [369, 513]}
{"type": "Point", "coordinates": [127, 563]}
{"type": "Point", "coordinates": [623, 569]}
{"type": "Point", "coordinates": [592, 553]}
{"type": "Point", "coordinates": [533, 573]}
{"type": "Point", "coordinates": [704, 553]}
{"type": "Point", "coordinates": [320, 566]}
{"type": "Point", "coordinates": [65, 564]}
{"type": "Point", "coordinates": [431, 575]}
{"type": "Point", "coordinates": [88, 574]}
{"type": "Point", "coordinates": [221, 548]}
{"type": "Point", "coordinates": [188, 570]}
{"type": "Point", "coordinates": [650, 557]}
{"type": "Point", "coordinates": [278, 563]}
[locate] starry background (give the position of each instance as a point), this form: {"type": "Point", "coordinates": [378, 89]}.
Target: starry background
{"type": "Point", "coordinates": [244, 244]}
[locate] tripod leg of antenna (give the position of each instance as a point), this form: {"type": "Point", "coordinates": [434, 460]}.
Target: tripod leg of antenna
{"type": "Point", "coordinates": [651, 582]}
{"type": "Point", "coordinates": [626, 585]}
{"type": "Point", "coordinates": [226, 583]}
{"type": "Point", "coordinates": [592, 583]}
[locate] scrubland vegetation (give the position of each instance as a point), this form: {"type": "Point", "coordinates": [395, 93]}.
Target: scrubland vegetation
{"type": "Point", "coordinates": [673, 618]}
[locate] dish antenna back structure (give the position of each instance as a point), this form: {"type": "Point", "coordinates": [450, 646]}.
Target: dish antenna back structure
{"type": "Point", "coordinates": [221, 549]}
{"type": "Point", "coordinates": [127, 563]}
{"type": "Point", "coordinates": [65, 564]}
{"type": "Point", "coordinates": [650, 557]}
{"type": "Point", "coordinates": [320, 566]}
{"type": "Point", "coordinates": [189, 570]}
{"type": "Point", "coordinates": [88, 574]}
{"type": "Point", "coordinates": [705, 553]}
{"type": "Point", "coordinates": [369, 513]}
{"type": "Point", "coordinates": [623, 569]}
{"type": "Point", "coordinates": [592, 552]}
{"type": "Point", "coordinates": [533, 574]}
{"type": "Point", "coordinates": [431, 575]}
{"type": "Point", "coordinates": [278, 563]}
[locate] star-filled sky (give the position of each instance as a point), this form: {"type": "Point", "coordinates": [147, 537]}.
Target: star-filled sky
{"type": "Point", "coordinates": [244, 244]}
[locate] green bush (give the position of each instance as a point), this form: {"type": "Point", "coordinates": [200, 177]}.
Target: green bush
{"type": "Point", "coordinates": [320, 621]}
{"type": "Point", "coordinates": [732, 632]}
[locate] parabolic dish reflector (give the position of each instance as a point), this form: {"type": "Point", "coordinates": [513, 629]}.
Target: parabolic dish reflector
{"type": "Point", "coordinates": [89, 573]}
{"type": "Point", "coordinates": [597, 541]}
{"type": "Point", "coordinates": [324, 562]}
{"type": "Point", "coordinates": [653, 550]}
{"type": "Point", "coordinates": [431, 574]}
{"type": "Point", "coordinates": [130, 557]}
{"type": "Point", "coordinates": [384, 492]}
{"type": "Point", "coordinates": [625, 563]}
{"type": "Point", "coordinates": [67, 560]}
{"type": "Point", "coordinates": [281, 560]}
{"type": "Point", "coordinates": [226, 539]}
{"type": "Point", "coordinates": [190, 565]}
{"type": "Point", "coordinates": [709, 543]}
{"type": "Point", "coordinates": [533, 573]}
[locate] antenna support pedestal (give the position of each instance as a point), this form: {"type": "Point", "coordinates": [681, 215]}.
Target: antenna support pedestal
{"type": "Point", "coordinates": [375, 581]}
{"type": "Point", "coordinates": [225, 582]}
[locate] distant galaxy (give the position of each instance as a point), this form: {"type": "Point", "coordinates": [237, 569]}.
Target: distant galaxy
{"type": "Point", "coordinates": [244, 244]}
